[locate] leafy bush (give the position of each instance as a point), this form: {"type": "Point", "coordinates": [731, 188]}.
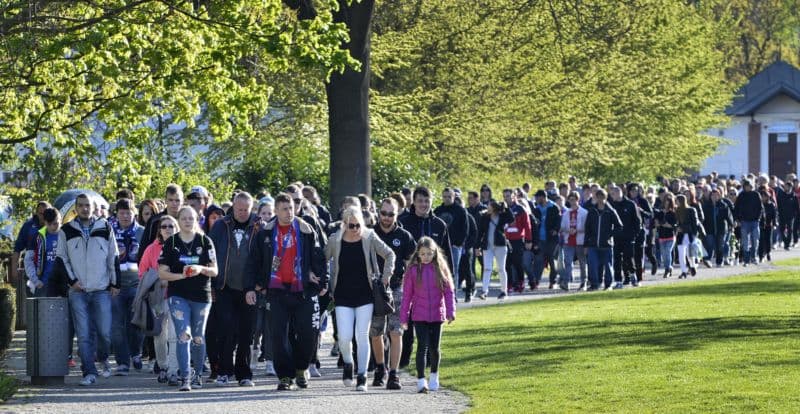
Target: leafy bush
{"type": "Point", "coordinates": [7, 317]}
{"type": "Point", "coordinates": [8, 386]}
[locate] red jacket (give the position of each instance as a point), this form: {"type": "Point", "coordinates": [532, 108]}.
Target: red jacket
{"type": "Point", "coordinates": [520, 229]}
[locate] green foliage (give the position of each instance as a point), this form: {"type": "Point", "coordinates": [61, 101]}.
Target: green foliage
{"type": "Point", "coordinates": [715, 346]}
{"type": "Point", "coordinates": [7, 316]}
{"type": "Point", "coordinates": [8, 386]}
{"type": "Point", "coordinates": [603, 90]}
{"type": "Point", "coordinates": [129, 94]}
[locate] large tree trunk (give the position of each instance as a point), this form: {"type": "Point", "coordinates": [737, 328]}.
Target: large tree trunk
{"type": "Point", "coordinates": [348, 108]}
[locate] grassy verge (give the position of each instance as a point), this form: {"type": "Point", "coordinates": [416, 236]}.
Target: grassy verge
{"type": "Point", "coordinates": [727, 345]}
{"type": "Point", "coordinates": [788, 262]}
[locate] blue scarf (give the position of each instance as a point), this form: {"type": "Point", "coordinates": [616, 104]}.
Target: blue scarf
{"type": "Point", "coordinates": [275, 281]}
{"type": "Point", "coordinates": [127, 244]}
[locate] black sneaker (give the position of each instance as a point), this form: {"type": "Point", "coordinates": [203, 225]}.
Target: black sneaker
{"type": "Point", "coordinates": [361, 382]}
{"type": "Point", "coordinates": [286, 384]}
{"type": "Point", "coordinates": [467, 297]}
{"type": "Point", "coordinates": [693, 271]}
{"type": "Point", "coordinates": [347, 375]}
{"type": "Point", "coordinates": [502, 296]}
{"type": "Point", "coordinates": [377, 380]}
{"type": "Point", "coordinates": [300, 379]}
{"type": "Point", "coordinates": [394, 382]}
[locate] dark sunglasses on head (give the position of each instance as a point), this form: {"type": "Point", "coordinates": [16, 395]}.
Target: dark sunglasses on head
{"type": "Point", "coordinates": [167, 226]}
{"type": "Point", "coordinates": [352, 226]}
{"type": "Point", "coordinates": [387, 213]}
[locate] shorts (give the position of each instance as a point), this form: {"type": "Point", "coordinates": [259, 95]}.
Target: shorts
{"type": "Point", "coordinates": [379, 323]}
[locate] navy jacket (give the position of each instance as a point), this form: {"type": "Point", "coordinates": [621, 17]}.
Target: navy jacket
{"type": "Point", "coordinates": [601, 227]}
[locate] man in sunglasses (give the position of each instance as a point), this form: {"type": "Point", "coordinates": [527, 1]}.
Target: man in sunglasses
{"type": "Point", "coordinates": [403, 245]}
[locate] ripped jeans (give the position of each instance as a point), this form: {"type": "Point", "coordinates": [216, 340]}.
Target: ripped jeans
{"type": "Point", "coordinates": [189, 319]}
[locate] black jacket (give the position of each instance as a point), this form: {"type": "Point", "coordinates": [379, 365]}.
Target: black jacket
{"type": "Point", "coordinates": [748, 207]}
{"type": "Point", "coordinates": [628, 213]}
{"type": "Point", "coordinates": [499, 235]}
{"type": "Point", "coordinates": [690, 226]}
{"type": "Point", "coordinates": [788, 207]}
{"type": "Point", "coordinates": [430, 226]}
{"type": "Point", "coordinates": [601, 227]}
{"type": "Point", "coordinates": [472, 233]}
{"type": "Point", "coordinates": [770, 216]}
{"type": "Point", "coordinates": [259, 265]}
{"type": "Point", "coordinates": [476, 212]}
{"type": "Point", "coordinates": [455, 216]}
{"type": "Point", "coordinates": [403, 245]}
{"type": "Point", "coordinates": [723, 221]}
{"type": "Point", "coordinates": [150, 232]}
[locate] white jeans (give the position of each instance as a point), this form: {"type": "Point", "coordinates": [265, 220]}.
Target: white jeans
{"type": "Point", "coordinates": [360, 318]}
{"type": "Point", "coordinates": [498, 254]}
{"type": "Point", "coordinates": [165, 344]}
{"type": "Point", "coordinates": [683, 251]}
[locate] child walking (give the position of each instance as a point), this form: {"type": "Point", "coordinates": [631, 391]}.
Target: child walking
{"type": "Point", "coordinates": [428, 297]}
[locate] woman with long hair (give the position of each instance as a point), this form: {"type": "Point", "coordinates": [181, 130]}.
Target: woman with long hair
{"type": "Point", "coordinates": [188, 262]}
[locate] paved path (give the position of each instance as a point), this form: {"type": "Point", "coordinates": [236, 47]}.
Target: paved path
{"type": "Point", "coordinates": [140, 393]}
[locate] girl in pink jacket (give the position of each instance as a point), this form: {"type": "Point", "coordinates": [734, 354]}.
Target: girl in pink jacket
{"type": "Point", "coordinates": [428, 298]}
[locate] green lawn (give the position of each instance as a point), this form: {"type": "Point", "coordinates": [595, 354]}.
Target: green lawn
{"type": "Point", "coordinates": [730, 345]}
{"type": "Point", "coordinates": [788, 262]}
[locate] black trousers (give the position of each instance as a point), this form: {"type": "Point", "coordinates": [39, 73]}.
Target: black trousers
{"type": "Point", "coordinates": [295, 325]}
{"type": "Point", "coordinates": [786, 227]}
{"type": "Point", "coordinates": [235, 327]}
{"type": "Point", "coordinates": [466, 270]}
{"type": "Point", "coordinates": [765, 242]}
{"type": "Point", "coordinates": [429, 335]}
{"type": "Point", "coordinates": [213, 338]}
{"type": "Point", "coordinates": [623, 258]}
{"type": "Point", "coordinates": [514, 269]}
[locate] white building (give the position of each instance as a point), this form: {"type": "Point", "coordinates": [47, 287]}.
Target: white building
{"type": "Point", "coordinates": [765, 120]}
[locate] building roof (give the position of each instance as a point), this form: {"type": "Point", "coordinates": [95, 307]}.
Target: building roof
{"type": "Point", "coordinates": [776, 79]}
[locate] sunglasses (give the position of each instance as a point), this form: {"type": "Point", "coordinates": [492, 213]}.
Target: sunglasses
{"type": "Point", "coordinates": [352, 226]}
{"type": "Point", "coordinates": [167, 226]}
{"type": "Point", "coordinates": [387, 213]}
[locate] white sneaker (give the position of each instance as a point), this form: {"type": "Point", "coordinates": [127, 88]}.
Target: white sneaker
{"type": "Point", "coordinates": [106, 373]}
{"type": "Point", "coordinates": [88, 380]}
{"type": "Point", "coordinates": [313, 371]}
{"type": "Point", "coordinates": [222, 380]}
{"type": "Point", "coordinates": [422, 386]}
{"type": "Point", "coordinates": [433, 384]}
{"type": "Point", "coordinates": [271, 369]}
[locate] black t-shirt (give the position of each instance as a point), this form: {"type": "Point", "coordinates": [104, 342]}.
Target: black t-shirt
{"type": "Point", "coordinates": [352, 283]}
{"type": "Point", "coordinates": [176, 254]}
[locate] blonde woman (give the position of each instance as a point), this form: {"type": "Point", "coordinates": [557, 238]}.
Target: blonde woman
{"type": "Point", "coordinates": [188, 262]}
{"type": "Point", "coordinates": [351, 249]}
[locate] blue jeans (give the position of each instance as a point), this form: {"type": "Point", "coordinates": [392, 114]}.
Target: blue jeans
{"type": "Point", "coordinates": [599, 265]}
{"type": "Point", "coordinates": [126, 337]}
{"type": "Point", "coordinates": [569, 253]}
{"type": "Point", "coordinates": [91, 309]}
{"type": "Point", "coordinates": [190, 320]}
{"type": "Point", "coordinates": [455, 255]}
{"type": "Point", "coordinates": [751, 233]}
{"type": "Point", "coordinates": [666, 252]}
{"type": "Point", "coordinates": [527, 266]}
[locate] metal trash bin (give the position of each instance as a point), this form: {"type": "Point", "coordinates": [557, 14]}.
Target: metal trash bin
{"type": "Point", "coordinates": [46, 340]}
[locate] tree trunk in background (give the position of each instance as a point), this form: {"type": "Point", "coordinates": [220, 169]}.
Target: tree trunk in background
{"type": "Point", "coordinates": [348, 109]}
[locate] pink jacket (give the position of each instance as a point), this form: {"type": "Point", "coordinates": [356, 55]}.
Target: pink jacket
{"type": "Point", "coordinates": [426, 302]}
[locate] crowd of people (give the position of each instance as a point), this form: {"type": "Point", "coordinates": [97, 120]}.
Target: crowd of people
{"type": "Point", "coordinates": [206, 290]}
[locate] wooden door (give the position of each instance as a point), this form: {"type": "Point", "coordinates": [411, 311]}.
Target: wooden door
{"type": "Point", "coordinates": [782, 154]}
